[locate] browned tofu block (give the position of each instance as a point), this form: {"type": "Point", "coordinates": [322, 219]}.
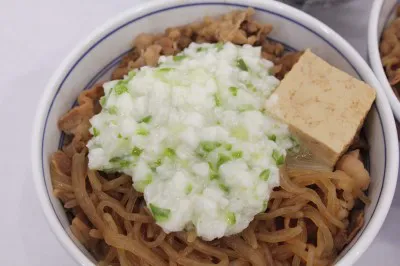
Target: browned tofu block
{"type": "Point", "coordinates": [323, 106]}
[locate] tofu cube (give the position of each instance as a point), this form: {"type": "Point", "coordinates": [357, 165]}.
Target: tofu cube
{"type": "Point", "coordinates": [323, 106]}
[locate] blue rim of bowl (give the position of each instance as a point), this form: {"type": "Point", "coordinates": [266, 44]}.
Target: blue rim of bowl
{"type": "Point", "coordinates": [116, 60]}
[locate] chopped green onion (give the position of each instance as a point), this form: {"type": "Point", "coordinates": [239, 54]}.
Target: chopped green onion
{"type": "Point", "coordinates": [217, 99]}
{"type": "Point", "coordinates": [214, 176]}
{"type": "Point", "coordinates": [219, 46]}
{"type": "Point", "coordinates": [154, 165]}
{"type": "Point", "coordinates": [201, 153]}
{"type": "Point", "coordinates": [228, 146]}
{"type": "Point", "coordinates": [222, 158]}
{"type": "Point", "coordinates": [164, 70]}
{"type": "Point", "coordinates": [96, 132]}
{"type": "Point", "coordinates": [178, 58]}
{"type": "Point", "coordinates": [136, 151]}
{"type": "Point", "coordinates": [272, 137]}
{"type": "Point", "coordinates": [211, 166]}
{"type": "Point", "coordinates": [169, 152]}
{"type": "Point", "coordinates": [240, 132]}
{"type": "Point", "coordinates": [264, 175]}
{"type": "Point", "coordinates": [279, 159]}
{"type": "Point", "coordinates": [294, 140]}
{"type": "Point", "coordinates": [113, 110]}
{"type": "Point", "coordinates": [122, 162]}
{"type": "Point", "coordinates": [265, 205]}
{"type": "Point", "coordinates": [142, 184]}
{"type": "Point", "coordinates": [233, 90]}
{"type": "Point", "coordinates": [246, 107]}
{"type": "Point", "coordinates": [224, 188]}
{"type": "Point", "coordinates": [146, 119]}
{"type": "Point", "coordinates": [230, 218]}
{"type": "Point", "coordinates": [160, 214]}
{"type": "Point", "coordinates": [251, 87]}
{"type": "Point", "coordinates": [188, 189]}
{"type": "Point", "coordinates": [209, 146]}
{"type": "Point", "coordinates": [120, 89]}
{"type": "Point", "coordinates": [119, 136]}
{"type": "Point", "coordinates": [201, 49]}
{"type": "Point", "coordinates": [237, 154]}
{"type": "Point", "coordinates": [131, 74]}
{"type": "Point", "coordinates": [103, 100]}
{"type": "Point", "coordinates": [241, 64]}
{"type": "Point", "coordinates": [142, 132]}
{"type": "Point", "coordinates": [123, 82]}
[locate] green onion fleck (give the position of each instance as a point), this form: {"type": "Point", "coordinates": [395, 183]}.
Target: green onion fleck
{"type": "Point", "coordinates": [188, 189]}
{"type": "Point", "coordinates": [279, 159]}
{"type": "Point", "coordinates": [120, 89]}
{"type": "Point", "coordinates": [272, 137]}
{"type": "Point", "coordinates": [264, 175]}
{"type": "Point", "coordinates": [169, 152]}
{"type": "Point", "coordinates": [211, 166]}
{"type": "Point", "coordinates": [201, 49]}
{"type": "Point", "coordinates": [96, 132]}
{"type": "Point", "coordinates": [219, 46]}
{"type": "Point", "coordinates": [241, 64]}
{"type": "Point", "coordinates": [228, 146]}
{"type": "Point", "coordinates": [251, 87]}
{"type": "Point", "coordinates": [136, 151]}
{"type": "Point", "coordinates": [154, 165]}
{"type": "Point", "coordinates": [217, 99]}
{"type": "Point", "coordinates": [230, 218]}
{"type": "Point", "coordinates": [209, 146]}
{"type": "Point", "coordinates": [113, 110]}
{"type": "Point", "coordinates": [122, 162]}
{"type": "Point", "coordinates": [164, 70]}
{"type": "Point", "coordinates": [240, 132]}
{"type": "Point", "coordinates": [201, 153]}
{"type": "Point", "coordinates": [142, 184]}
{"type": "Point", "coordinates": [222, 158]}
{"type": "Point", "coordinates": [131, 74]}
{"type": "Point", "coordinates": [224, 188]}
{"type": "Point", "coordinates": [233, 90]}
{"type": "Point", "coordinates": [119, 136]}
{"type": "Point", "coordinates": [265, 206]}
{"type": "Point", "coordinates": [103, 101]}
{"type": "Point", "coordinates": [160, 214]}
{"type": "Point", "coordinates": [146, 119]}
{"type": "Point", "coordinates": [142, 132]}
{"type": "Point", "coordinates": [237, 154]}
{"type": "Point", "coordinates": [178, 58]}
{"type": "Point", "coordinates": [246, 107]}
{"type": "Point", "coordinates": [214, 176]}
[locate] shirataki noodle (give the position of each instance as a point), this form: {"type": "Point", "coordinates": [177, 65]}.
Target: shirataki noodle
{"type": "Point", "coordinates": [309, 219]}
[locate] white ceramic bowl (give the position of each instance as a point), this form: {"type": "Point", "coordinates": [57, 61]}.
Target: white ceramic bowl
{"type": "Point", "coordinates": [93, 59]}
{"type": "Point", "coordinates": [382, 13]}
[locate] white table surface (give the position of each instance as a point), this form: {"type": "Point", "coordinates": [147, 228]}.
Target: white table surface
{"type": "Point", "coordinates": [34, 37]}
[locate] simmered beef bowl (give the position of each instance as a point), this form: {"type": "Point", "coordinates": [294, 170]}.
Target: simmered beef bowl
{"type": "Point", "coordinates": [216, 139]}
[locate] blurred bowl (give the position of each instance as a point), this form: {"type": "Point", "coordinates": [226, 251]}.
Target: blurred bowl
{"type": "Point", "coordinates": [382, 13]}
{"type": "Point", "coordinates": [93, 60]}
{"type": "Point", "coordinates": [304, 3]}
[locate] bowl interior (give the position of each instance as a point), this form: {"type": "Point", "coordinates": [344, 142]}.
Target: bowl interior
{"type": "Point", "coordinates": [100, 55]}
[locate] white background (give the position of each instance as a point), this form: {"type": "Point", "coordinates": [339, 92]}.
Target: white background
{"type": "Point", "coordinates": [35, 35]}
